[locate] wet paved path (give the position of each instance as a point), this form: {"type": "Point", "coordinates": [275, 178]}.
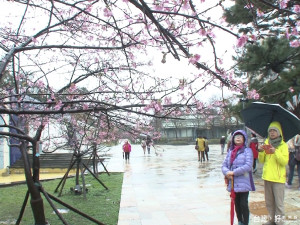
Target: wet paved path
{"type": "Point", "coordinates": [173, 188]}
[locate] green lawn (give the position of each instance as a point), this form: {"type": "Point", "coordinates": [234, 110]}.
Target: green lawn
{"type": "Point", "coordinates": [101, 204]}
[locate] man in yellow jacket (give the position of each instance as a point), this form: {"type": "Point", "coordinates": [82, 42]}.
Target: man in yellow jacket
{"type": "Point", "coordinates": [275, 156]}
{"type": "Point", "coordinates": [200, 147]}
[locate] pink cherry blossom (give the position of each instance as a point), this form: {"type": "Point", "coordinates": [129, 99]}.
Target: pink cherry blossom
{"type": "Point", "coordinates": [58, 105]}
{"type": "Point", "coordinates": [34, 40]}
{"type": "Point", "coordinates": [252, 94]}
{"type": "Point", "coordinates": [40, 83]}
{"type": "Point", "coordinates": [158, 7]}
{"type": "Point", "coordinates": [186, 5]}
{"type": "Point", "coordinates": [283, 3]}
{"type": "Point", "coordinates": [295, 43]}
{"type": "Point", "coordinates": [202, 32]}
{"type": "Point", "coordinates": [72, 87]}
{"type": "Point", "coordinates": [259, 12]}
{"type": "Point", "coordinates": [242, 41]}
{"type": "Point", "coordinates": [291, 89]}
{"type": "Point", "coordinates": [287, 34]}
{"type": "Point", "coordinates": [194, 59]}
{"type": "Point", "coordinates": [85, 106]}
{"type": "Point", "coordinates": [294, 31]}
{"type": "Point", "coordinates": [107, 12]}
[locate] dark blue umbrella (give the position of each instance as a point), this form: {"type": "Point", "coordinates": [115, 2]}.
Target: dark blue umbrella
{"type": "Point", "coordinates": [259, 115]}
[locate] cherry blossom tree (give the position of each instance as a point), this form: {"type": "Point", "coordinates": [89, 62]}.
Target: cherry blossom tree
{"type": "Point", "coordinates": [93, 57]}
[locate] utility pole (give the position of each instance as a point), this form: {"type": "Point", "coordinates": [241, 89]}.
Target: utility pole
{"type": "Point", "coordinates": [243, 100]}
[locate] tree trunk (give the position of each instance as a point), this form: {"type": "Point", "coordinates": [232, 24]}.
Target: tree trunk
{"type": "Point", "coordinates": [36, 201]}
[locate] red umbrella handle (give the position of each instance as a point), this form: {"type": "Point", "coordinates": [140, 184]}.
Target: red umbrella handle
{"type": "Point", "coordinates": [232, 196]}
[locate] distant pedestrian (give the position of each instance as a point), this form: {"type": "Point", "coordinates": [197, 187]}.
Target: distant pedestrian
{"type": "Point", "coordinates": [148, 143]}
{"type": "Point", "coordinates": [206, 147]}
{"type": "Point", "coordinates": [274, 155]}
{"type": "Point", "coordinates": [229, 139]}
{"type": "Point", "coordinates": [126, 149]}
{"type": "Point", "coordinates": [200, 147]}
{"type": "Point", "coordinates": [144, 145]}
{"type": "Point", "coordinates": [237, 167]}
{"type": "Point", "coordinates": [294, 146]}
{"type": "Point", "coordinates": [254, 146]}
{"type": "Point", "coordinates": [222, 143]}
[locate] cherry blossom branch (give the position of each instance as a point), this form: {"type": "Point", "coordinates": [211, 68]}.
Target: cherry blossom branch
{"type": "Point", "coordinates": [171, 39]}
{"type": "Point", "coordinates": [21, 49]}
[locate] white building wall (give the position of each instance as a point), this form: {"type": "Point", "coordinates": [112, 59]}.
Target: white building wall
{"type": "Point", "coordinates": [4, 149]}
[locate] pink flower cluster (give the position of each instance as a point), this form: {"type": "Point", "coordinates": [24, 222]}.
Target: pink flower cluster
{"type": "Point", "coordinates": [242, 41]}
{"type": "Point", "coordinates": [194, 59]}
{"type": "Point", "coordinates": [157, 106]}
{"type": "Point", "coordinates": [252, 95]}
{"type": "Point", "coordinates": [107, 12]}
{"type": "Point", "coordinates": [283, 3]}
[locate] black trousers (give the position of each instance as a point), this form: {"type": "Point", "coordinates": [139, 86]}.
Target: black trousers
{"type": "Point", "coordinates": [127, 155]}
{"type": "Point", "coordinates": [206, 154]}
{"type": "Point", "coordinates": [241, 207]}
{"type": "Point", "coordinates": [254, 164]}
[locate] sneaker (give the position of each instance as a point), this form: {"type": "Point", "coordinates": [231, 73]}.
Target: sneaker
{"type": "Point", "coordinates": [288, 185]}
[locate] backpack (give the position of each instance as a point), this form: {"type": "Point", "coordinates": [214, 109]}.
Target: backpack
{"type": "Point", "coordinates": [297, 153]}
{"type": "Point", "coordinates": [126, 147]}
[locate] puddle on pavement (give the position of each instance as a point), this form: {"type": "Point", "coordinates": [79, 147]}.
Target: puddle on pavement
{"type": "Point", "coordinates": [258, 208]}
{"type": "Point", "coordinates": [202, 176]}
{"type": "Point", "coordinates": [62, 211]}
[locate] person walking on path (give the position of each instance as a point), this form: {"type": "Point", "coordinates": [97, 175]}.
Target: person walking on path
{"type": "Point", "coordinates": [229, 139]}
{"type": "Point", "coordinates": [274, 155]}
{"type": "Point", "coordinates": [237, 166]}
{"type": "Point", "coordinates": [200, 147]}
{"type": "Point", "coordinates": [144, 145]}
{"type": "Point", "coordinates": [292, 145]}
{"type": "Point", "coordinates": [148, 143]}
{"type": "Point", "coordinates": [254, 146]}
{"type": "Point", "coordinates": [222, 143]}
{"type": "Point", "coordinates": [126, 149]}
{"type": "Point", "coordinates": [206, 147]}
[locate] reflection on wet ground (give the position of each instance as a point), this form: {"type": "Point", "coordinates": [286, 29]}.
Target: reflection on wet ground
{"type": "Point", "coordinates": [173, 188]}
{"type": "Point", "coordinates": [292, 200]}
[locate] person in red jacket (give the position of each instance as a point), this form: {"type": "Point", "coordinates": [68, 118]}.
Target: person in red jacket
{"type": "Point", "coordinates": [127, 149]}
{"type": "Point", "coordinates": [254, 146]}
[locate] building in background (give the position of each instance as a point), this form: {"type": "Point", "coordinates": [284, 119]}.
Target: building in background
{"type": "Point", "coordinates": [4, 148]}
{"type": "Point", "coordinates": [187, 128]}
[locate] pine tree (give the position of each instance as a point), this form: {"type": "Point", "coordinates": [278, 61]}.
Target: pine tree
{"type": "Point", "coordinates": [270, 62]}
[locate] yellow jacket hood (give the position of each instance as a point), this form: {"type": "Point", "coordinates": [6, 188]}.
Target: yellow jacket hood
{"type": "Point", "coordinates": [276, 125]}
{"type": "Point", "coordinates": [274, 164]}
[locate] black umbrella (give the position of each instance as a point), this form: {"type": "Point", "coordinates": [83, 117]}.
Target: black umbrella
{"type": "Point", "coordinates": [259, 115]}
